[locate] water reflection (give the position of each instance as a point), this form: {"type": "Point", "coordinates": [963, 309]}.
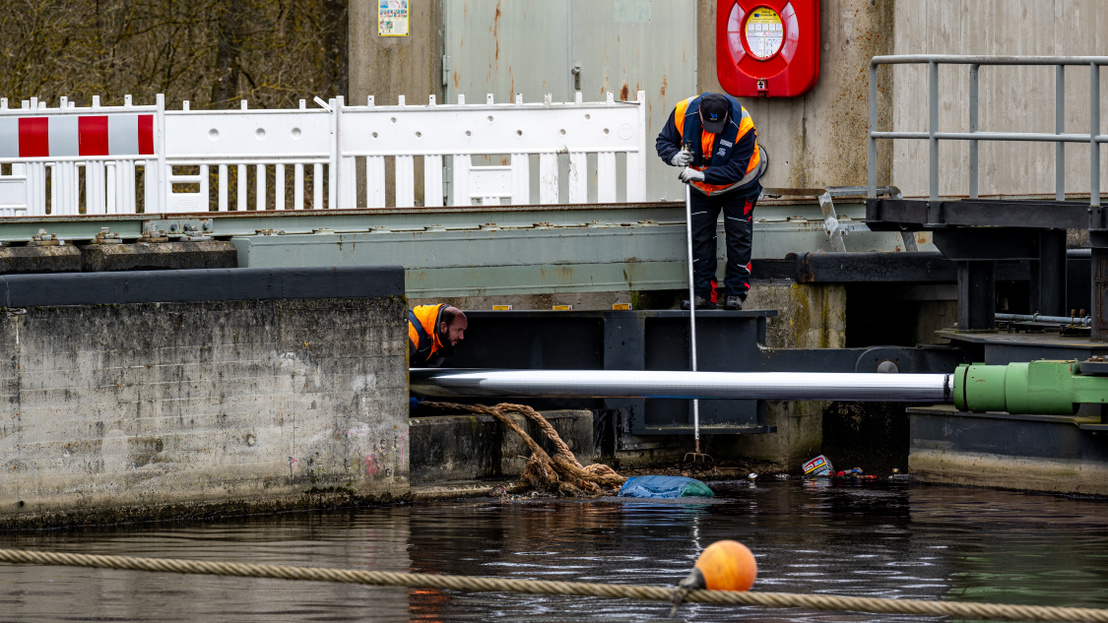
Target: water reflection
{"type": "Point", "coordinates": [898, 541]}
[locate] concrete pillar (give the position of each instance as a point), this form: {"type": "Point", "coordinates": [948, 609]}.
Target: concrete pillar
{"type": "Point", "coordinates": [388, 67]}
{"type": "Point", "coordinates": [809, 316]}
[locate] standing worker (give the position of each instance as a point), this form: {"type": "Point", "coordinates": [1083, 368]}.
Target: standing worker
{"type": "Point", "coordinates": [713, 137]}
{"type": "Point", "coordinates": [433, 332]}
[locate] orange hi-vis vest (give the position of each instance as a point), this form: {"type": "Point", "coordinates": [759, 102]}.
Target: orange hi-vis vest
{"type": "Point", "coordinates": [754, 168]}
{"type": "Point", "coordinates": [423, 335]}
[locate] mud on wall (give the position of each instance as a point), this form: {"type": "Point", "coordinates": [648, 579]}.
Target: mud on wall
{"type": "Point", "coordinates": [145, 405]}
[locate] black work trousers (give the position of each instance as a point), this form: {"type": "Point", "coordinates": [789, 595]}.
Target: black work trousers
{"type": "Point", "coordinates": [738, 220]}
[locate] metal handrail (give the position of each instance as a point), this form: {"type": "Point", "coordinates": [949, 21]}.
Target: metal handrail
{"type": "Point", "coordinates": [1094, 138]}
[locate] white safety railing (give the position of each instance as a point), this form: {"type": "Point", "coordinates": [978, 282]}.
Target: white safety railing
{"type": "Point", "coordinates": [128, 159]}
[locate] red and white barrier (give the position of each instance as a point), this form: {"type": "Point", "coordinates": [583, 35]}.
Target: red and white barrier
{"type": "Point", "coordinates": [63, 136]}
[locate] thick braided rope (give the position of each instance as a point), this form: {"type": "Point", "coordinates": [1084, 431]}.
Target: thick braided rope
{"type": "Point", "coordinates": [495, 412]}
{"type": "Point", "coordinates": [563, 461]}
{"type": "Point", "coordinates": [545, 426]}
{"type": "Point", "coordinates": [486, 584]}
{"type": "Point", "coordinates": [601, 473]}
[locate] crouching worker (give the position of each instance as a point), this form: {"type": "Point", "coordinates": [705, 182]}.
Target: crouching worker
{"type": "Point", "coordinates": [433, 333]}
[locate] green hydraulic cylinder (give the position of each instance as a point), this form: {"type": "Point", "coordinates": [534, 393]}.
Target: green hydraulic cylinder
{"type": "Point", "coordinates": [1037, 387]}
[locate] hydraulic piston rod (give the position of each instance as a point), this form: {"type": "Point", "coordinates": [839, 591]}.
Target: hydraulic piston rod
{"type": "Point", "coordinates": [1039, 387]}
{"type": "Point", "coordinates": [683, 385]}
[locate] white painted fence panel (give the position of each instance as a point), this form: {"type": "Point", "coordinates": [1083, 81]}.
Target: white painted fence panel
{"type": "Point", "coordinates": [161, 161]}
{"type": "Point", "coordinates": [13, 191]}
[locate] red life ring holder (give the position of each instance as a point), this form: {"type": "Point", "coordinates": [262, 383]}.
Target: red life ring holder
{"type": "Point", "coordinates": [767, 48]}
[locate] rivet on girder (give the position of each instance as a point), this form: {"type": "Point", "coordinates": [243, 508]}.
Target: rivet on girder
{"type": "Point", "coordinates": [150, 236]}
{"type": "Point", "coordinates": [43, 239]}
{"type": "Point", "coordinates": [105, 236]}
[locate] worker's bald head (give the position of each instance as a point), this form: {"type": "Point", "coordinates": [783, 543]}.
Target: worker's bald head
{"type": "Point", "coordinates": [452, 326]}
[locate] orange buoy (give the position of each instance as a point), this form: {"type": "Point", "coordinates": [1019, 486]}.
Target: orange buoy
{"type": "Point", "coordinates": [722, 566]}
{"type": "Point", "coordinates": [727, 566]}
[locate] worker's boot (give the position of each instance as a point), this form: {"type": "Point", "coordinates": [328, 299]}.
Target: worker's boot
{"type": "Point", "coordinates": [701, 303]}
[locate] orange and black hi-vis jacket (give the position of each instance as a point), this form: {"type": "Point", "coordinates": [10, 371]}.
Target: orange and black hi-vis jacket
{"type": "Point", "coordinates": [423, 336]}
{"type": "Point", "coordinates": [731, 159]}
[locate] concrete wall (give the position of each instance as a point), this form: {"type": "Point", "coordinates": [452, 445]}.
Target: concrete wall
{"type": "Point", "coordinates": [392, 67]}
{"type": "Point", "coordinates": [448, 448]}
{"type": "Point", "coordinates": [124, 407]}
{"type": "Point", "coordinates": [1011, 98]}
{"type": "Point", "coordinates": [819, 139]}
{"type": "Point", "coordinates": [63, 258]}
{"type": "Point", "coordinates": [1053, 454]}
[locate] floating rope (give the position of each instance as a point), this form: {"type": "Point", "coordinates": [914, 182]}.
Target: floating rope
{"type": "Point", "coordinates": [962, 610]}
{"type": "Point", "coordinates": [560, 472]}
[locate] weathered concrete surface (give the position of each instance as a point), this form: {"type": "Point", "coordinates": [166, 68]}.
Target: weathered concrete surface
{"type": "Point", "coordinates": [463, 447]}
{"type": "Point", "coordinates": [390, 67]}
{"type": "Point", "coordinates": [148, 409]}
{"type": "Point", "coordinates": [1031, 453]}
{"type": "Point", "coordinates": [799, 437]}
{"type": "Point", "coordinates": [808, 316]}
{"type": "Point", "coordinates": [871, 435]}
{"type": "Point", "coordinates": [1006, 472]}
{"type": "Point", "coordinates": [159, 255]}
{"type": "Point", "coordinates": [60, 258]}
{"type": "Point", "coordinates": [1013, 99]}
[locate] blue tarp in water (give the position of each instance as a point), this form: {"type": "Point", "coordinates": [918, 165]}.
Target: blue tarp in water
{"type": "Point", "coordinates": [664, 487]}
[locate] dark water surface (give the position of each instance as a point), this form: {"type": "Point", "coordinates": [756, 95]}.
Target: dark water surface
{"type": "Point", "coordinates": [895, 541]}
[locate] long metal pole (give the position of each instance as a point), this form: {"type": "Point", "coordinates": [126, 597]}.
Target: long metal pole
{"type": "Point", "coordinates": [692, 315]}
{"type": "Point", "coordinates": [869, 387]}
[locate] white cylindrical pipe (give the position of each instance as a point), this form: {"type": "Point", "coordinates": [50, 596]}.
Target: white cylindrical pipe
{"type": "Point", "coordinates": [869, 387]}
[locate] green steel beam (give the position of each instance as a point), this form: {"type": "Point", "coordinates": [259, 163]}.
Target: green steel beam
{"type": "Point", "coordinates": [478, 250]}
{"type": "Point", "coordinates": [770, 214]}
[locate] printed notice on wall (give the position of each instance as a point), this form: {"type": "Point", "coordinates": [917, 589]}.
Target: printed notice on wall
{"type": "Point", "coordinates": [392, 18]}
{"type": "Point", "coordinates": [764, 33]}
